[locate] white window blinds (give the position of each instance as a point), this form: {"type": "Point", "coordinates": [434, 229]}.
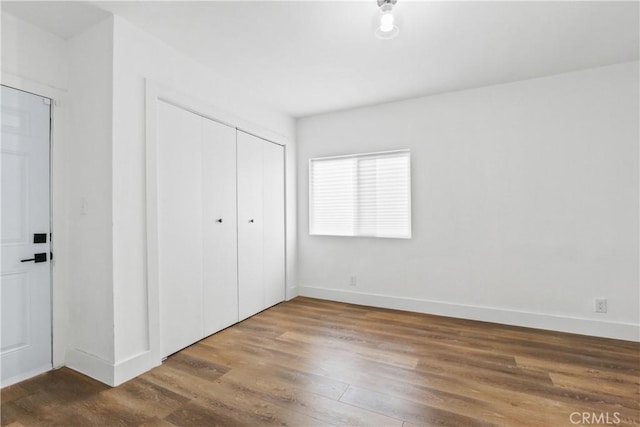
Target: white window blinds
{"type": "Point", "coordinates": [361, 195]}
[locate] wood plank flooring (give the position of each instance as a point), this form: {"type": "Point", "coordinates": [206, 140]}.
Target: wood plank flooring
{"type": "Point", "coordinates": [309, 362]}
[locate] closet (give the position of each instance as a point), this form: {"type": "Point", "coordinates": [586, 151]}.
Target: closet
{"type": "Point", "coordinates": [221, 242]}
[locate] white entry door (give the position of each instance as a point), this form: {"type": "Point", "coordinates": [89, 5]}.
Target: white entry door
{"type": "Point", "coordinates": [25, 343]}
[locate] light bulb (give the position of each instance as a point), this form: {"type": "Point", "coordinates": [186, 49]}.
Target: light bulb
{"type": "Point", "coordinates": [387, 29]}
{"type": "Point", "coordinates": [386, 22]}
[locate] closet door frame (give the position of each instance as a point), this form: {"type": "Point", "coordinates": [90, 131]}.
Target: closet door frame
{"type": "Point", "coordinates": [154, 93]}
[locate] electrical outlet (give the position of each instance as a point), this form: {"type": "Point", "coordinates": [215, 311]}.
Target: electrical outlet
{"type": "Point", "coordinates": [600, 305]}
{"type": "Point", "coordinates": [352, 281]}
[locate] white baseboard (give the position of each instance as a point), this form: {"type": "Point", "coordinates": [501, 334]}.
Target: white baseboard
{"type": "Point", "coordinates": [292, 292]}
{"type": "Point", "coordinates": [134, 366]}
{"type": "Point", "coordinates": [90, 365]}
{"type": "Point", "coordinates": [25, 376]}
{"type": "Point", "coordinates": [107, 372]}
{"type": "Point", "coordinates": [582, 326]}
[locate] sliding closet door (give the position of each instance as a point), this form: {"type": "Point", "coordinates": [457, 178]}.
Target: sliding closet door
{"type": "Point", "coordinates": [180, 228]}
{"type": "Point", "coordinates": [250, 225]}
{"type": "Point", "coordinates": [220, 286]}
{"type": "Point", "coordinates": [273, 218]}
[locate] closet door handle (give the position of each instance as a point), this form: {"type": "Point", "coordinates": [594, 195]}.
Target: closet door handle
{"type": "Point", "coordinates": [250, 221]}
{"type": "Point", "coordinates": [219, 220]}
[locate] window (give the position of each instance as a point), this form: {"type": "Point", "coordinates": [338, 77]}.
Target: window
{"type": "Point", "coordinates": [361, 195]}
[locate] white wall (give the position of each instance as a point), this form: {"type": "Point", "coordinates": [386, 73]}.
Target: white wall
{"type": "Point", "coordinates": [139, 57]}
{"type": "Point", "coordinates": [89, 166]}
{"type": "Point", "coordinates": [37, 61]}
{"type": "Point", "coordinates": [525, 204]}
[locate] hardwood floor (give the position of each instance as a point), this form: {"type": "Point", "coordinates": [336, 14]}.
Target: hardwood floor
{"type": "Point", "coordinates": [308, 362]}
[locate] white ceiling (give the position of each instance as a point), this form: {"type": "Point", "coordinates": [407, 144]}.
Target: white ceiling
{"type": "Point", "coordinates": [307, 57]}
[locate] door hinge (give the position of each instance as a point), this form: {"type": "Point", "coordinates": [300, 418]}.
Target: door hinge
{"type": "Point", "coordinates": [50, 256]}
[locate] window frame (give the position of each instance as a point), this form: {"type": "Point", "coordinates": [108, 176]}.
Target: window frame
{"type": "Point", "coordinates": [406, 151]}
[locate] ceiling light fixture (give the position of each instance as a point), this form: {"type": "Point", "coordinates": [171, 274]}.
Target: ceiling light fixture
{"type": "Point", "coordinates": [387, 29]}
